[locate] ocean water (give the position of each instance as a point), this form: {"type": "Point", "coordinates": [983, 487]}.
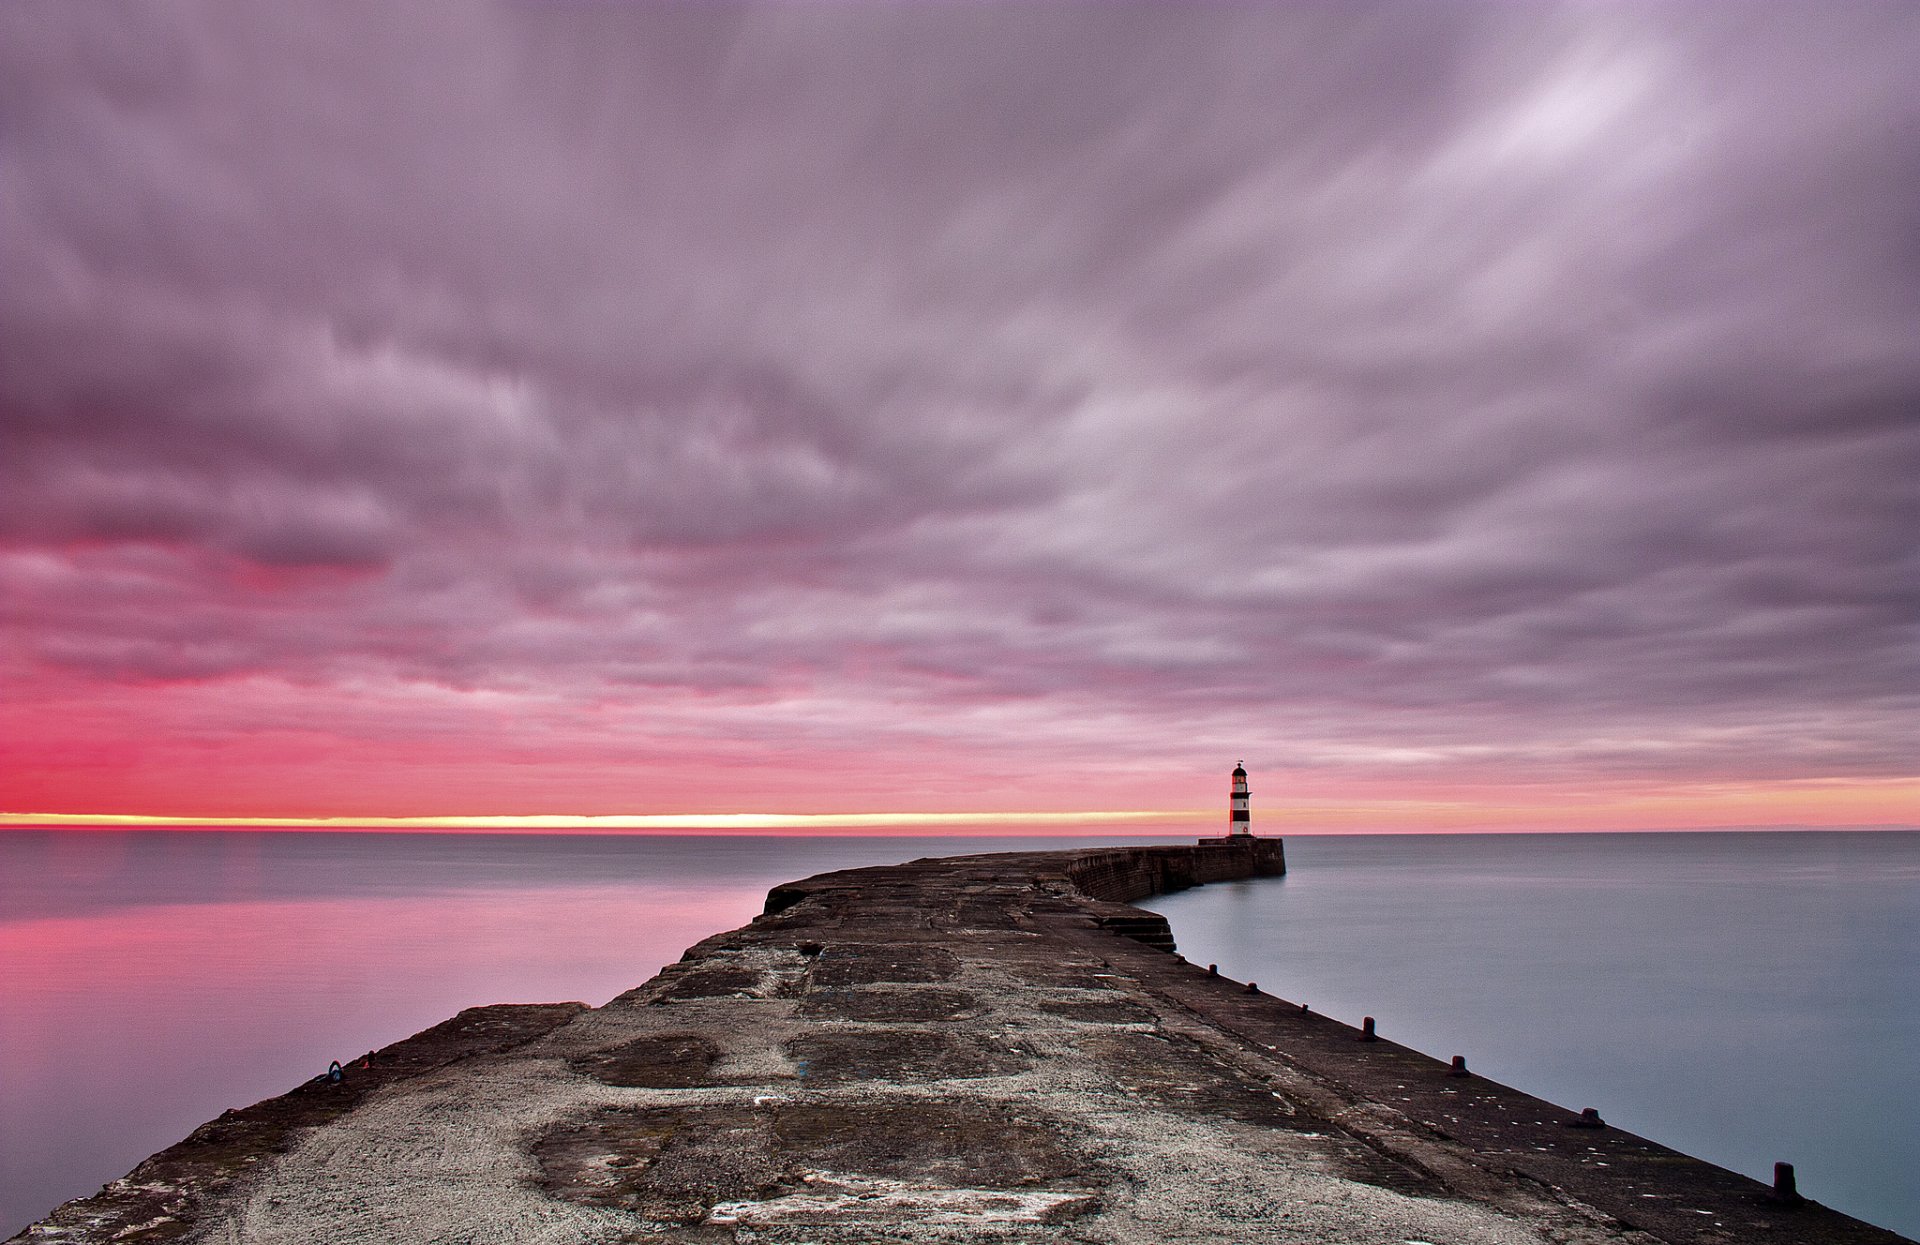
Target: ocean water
{"type": "Point", "coordinates": [1742, 997]}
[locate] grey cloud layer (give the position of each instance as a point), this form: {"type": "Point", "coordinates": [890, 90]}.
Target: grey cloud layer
{"type": "Point", "coordinates": [1529, 383]}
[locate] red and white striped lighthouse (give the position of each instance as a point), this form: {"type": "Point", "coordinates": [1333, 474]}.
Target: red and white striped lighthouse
{"type": "Point", "coordinates": [1239, 820]}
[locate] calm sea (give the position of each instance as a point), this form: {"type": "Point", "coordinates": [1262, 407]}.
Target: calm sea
{"type": "Point", "coordinates": [1743, 997]}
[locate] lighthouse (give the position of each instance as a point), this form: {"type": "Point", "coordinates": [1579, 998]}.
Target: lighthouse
{"type": "Point", "coordinates": [1239, 820]}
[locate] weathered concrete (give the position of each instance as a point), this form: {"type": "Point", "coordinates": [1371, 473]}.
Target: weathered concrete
{"type": "Point", "coordinates": [987, 1048]}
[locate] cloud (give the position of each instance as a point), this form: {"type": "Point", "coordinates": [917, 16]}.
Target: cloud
{"type": "Point", "coordinates": [1406, 386]}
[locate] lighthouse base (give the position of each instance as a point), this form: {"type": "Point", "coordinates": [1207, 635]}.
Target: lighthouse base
{"type": "Point", "coordinates": [1268, 856]}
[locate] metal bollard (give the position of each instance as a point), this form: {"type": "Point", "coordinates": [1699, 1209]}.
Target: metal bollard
{"type": "Point", "coordinates": [1459, 1067]}
{"type": "Point", "coordinates": [1785, 1191]}
{"type": "Point", "coordinates": [1366, 1030]}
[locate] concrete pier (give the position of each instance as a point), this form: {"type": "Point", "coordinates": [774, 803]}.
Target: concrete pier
{"type": "Point", "coordinates": [984, 1048]}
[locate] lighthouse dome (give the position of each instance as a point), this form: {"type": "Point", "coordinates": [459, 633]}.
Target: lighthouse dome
{"type": "Point", "coordinates": [1239, 771]}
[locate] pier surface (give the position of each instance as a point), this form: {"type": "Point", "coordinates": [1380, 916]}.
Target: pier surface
{"type": "Point", "coordinates": [981, 1048]}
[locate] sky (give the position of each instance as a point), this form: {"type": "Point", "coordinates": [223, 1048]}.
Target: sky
{"type": "Point", "coordinates": [1470, 415]}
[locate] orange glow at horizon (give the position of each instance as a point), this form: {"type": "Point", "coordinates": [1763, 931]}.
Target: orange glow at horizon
{"type": "Point", "coordinates": [1802, 803]}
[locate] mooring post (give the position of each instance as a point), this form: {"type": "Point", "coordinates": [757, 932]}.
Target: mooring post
{"type": "Point", "coordinates": [1366, 1030]}
{"type": "Point", "coordinates": [1459, 1067]}
{"type": "Point", "coordinates": [1785, 1191]}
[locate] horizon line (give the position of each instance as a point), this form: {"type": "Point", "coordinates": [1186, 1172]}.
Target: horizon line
{"type": "Point", "coordinates": [607, 821]}
{"type": "Point", "coordinates": [1183, 820]}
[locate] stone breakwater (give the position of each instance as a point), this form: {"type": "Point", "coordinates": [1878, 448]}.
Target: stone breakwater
{"type": "Point", "coordinates": [983, 1048]}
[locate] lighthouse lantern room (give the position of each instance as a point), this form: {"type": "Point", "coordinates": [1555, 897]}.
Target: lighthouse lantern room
{"type": "Point", "coordinates": [1239, 819]}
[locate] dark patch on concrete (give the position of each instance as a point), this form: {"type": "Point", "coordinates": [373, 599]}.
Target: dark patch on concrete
{"type": "Point", "coordinates": [1098, 1011]}
{"type": "Point", "coordinates": [1175, 1072]}
{"type": "Point", "coordinates": [871, 964]}
{"type": "Point", "coordinates": [718, 981]}
{"type": "Point", "coordinates": [669, 1061]}
{"type": "Point", "coordinates": [964, 1143]}
{"type": "Point", "coordinates": [910, 1006]}
{"type": "Point", "coordinates": [665, 1164]}
{"type": "Point", "coordinates": [995, 913]}
{"type": "Point", "coordinates": [900, 1054]}
{"type": "Point", "coordinates": [1356, 1160]}
{"type": "Point", "coordinates": [1068, 975]}
{"type": "Point", "coordinates": [671, 1165]}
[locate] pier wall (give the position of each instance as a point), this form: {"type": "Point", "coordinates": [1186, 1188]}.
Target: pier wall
{"type": "Point", "coordinates": [1124, 874]}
